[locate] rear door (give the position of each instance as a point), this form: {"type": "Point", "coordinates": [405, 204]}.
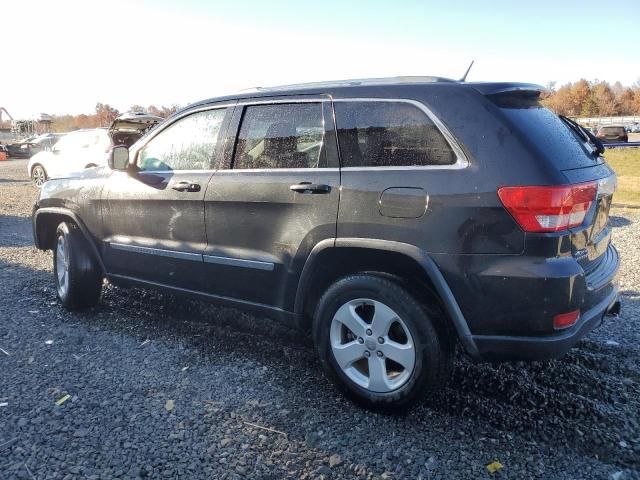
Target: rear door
{"type": "Point", "coordinates": [153, 218]}
{"type": "Point", "coordinates": [275, 197]}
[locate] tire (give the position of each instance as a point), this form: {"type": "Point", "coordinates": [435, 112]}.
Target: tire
{"type": "Point", "coordinates": [376, 381]}
{"type": "Point", "coordinates": [38, 175]}
{"type": "Point", "coordinates": [77, 275]}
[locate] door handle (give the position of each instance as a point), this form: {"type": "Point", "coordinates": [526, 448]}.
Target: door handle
{"type": "Point", "coordinates": [310, 188]}
{"type": "Point", "coordinates": [186, 187]}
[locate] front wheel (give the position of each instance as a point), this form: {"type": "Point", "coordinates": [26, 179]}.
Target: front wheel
{"type": "Point", "coordinates": [77, 274]}
{"type": "Point", "coordinates": [378, 344]}
{"type": "Point", "coordinates": [38, 175]}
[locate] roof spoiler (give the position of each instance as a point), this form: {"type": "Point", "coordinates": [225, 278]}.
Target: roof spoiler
{"type": "Point", "coordinates": [504, 87]}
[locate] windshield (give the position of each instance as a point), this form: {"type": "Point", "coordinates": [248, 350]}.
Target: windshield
{"type": "Point", "coordinates": [545, 129]}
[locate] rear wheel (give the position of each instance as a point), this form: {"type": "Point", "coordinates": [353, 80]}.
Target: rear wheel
{"type": "Point", "coordinates": [378, 343]}
{"type": "Point", "coordinates": [77, 274]}
{"type": "Point", "coordinates": [38, 175]}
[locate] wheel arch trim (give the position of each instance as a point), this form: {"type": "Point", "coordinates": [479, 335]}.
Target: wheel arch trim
{"type": "Point", "coordinates": [411, 251]}
{"type": "Point", "coordinates": [39, 213]}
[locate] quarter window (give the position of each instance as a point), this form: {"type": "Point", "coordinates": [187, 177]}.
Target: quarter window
{"type": "Point", "coordinates": [285, 135]}
{"type": "Point", "coordinates": [188, 144]}
{"type": "Point", "coordinates": [389, 134]}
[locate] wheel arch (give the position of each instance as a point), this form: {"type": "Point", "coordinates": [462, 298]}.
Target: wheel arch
{"type": "Point", "coordinates": [331, 260]}
{"type": "Point", "coordinates": [45, 222]}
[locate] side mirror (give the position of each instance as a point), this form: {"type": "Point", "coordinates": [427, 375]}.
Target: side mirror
{"type": "Point", "coordinates": [119, 158]}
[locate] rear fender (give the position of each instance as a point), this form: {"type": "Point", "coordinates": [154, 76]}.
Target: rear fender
{"type": "Point", "coordinates": [411, 251]}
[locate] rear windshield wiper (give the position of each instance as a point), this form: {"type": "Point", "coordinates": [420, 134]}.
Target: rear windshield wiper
{"type": "Point", "coordinates": [585, 134]}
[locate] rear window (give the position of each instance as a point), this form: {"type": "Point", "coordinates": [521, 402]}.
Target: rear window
{"type": "Point", "coordinates": [389, 134]}
{"type": "Point", "coordinates": [545, 130]}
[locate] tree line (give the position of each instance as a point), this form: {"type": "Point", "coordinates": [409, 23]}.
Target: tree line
{"type": "Point", "coordinates": [103, 116]}
{"type": "Point", "coordinates": [593, 99]}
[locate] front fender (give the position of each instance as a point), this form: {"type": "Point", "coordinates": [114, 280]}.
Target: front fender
{"type": "Point", "coordinates": [44, 222]}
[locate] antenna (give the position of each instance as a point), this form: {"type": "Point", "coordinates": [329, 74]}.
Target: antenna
{"type": "Point", "coordinates": [464, 77]}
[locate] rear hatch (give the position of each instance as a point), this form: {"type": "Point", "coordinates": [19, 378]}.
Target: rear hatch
{"type": "Point", "coordinates": [566, 147]}
{"type": "Point", "coordinates": [129, 127]}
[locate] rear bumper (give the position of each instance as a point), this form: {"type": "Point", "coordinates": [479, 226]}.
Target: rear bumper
{"type": "Point", "coordinates": [499, 347]}
{"type": "Point", "coordinates": [508, 302]}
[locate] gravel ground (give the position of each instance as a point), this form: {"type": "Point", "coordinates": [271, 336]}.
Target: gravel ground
{"type": "Point", "coordinates": [163, 387]}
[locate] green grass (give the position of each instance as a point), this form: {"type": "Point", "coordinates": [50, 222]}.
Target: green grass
{"type": "Point", "coordinates": [626, 163]}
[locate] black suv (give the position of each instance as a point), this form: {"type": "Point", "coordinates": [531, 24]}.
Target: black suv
{"type": "Point", "coordinates": [389, 218]}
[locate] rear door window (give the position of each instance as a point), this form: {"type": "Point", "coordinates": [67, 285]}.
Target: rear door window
{"type": "Point", "coordinates": [389, 134]}
{"type": "Point", "coordinates": [284, 135]}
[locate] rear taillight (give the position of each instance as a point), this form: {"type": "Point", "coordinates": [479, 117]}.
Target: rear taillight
{"type": "Point", "coordinates": [549, 209]}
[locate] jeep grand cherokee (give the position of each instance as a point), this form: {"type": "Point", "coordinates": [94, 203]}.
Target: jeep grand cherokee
{"type": "Point", "coordinates": [389, 218]}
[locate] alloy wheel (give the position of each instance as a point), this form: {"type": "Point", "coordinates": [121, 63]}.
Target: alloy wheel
{"type": "Point", "coordinates": [62, 266]}
{"type": "Point", "coordinates": [372, 345]}
{"type": "Point", "coordinates": [39, 176]}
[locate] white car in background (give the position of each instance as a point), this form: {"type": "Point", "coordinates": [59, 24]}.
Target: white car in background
{"type": "Point", "coordinates": [88, 148]}
{"type": "Point", "coordinates": [73, 152]}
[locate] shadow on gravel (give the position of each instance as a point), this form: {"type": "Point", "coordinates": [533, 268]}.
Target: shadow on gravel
{"type": "Point", "coordinates": [11, 180]}
{"type": "Point", "coordinates": [15, 231]}
{"type": "Point", "coordinates": [586, 402]}
{"type": "Point", "coordinates": [617, 221]}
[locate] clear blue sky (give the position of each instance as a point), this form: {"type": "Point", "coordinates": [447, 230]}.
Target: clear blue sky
{"type": "Point", "coordinates": [179, 51]}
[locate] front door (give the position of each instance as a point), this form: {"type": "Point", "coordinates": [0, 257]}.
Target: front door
{"type": "Point", "coordinates": [275, 197]}
{"type": "Point", "coordinates": [153, 217]}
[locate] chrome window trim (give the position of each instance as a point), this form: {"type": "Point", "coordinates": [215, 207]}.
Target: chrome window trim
{"type": "Point", "coordinates": [239, 262]}
{"type": "Point", "coordinates": [461, 159]}
{"type": "Point", "coordinates": [176, 171]}
{"type": "Point", "coordinates": [268, 100]}
{"type": "Point", "coordinates": [157, 251]}
{"type": "Point", "coordinates": [271, 170]}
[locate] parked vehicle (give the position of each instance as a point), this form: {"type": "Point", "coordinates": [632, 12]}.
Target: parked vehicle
{"type": "Point", "coordinates": [32, 145]}
{"type": "Point", "coordinates": [75, 151]}
{"type": "Point", "coordinates": [23, 149]}
{"type": "Point", "coordinates": [88, 148]}
{"type": "Point", "coordinates": [388, 218]}
{"type": "Point", "coordinates": [613, 134]}
{"type": "Point", "coordinates": [4, 153]}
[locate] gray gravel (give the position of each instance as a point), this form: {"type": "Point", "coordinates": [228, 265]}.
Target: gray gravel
{"type": "Point", "coordinates": [163, 387]}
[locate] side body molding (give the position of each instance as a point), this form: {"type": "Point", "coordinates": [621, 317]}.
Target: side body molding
{"type": "Point", "coordinates": [411, 251]}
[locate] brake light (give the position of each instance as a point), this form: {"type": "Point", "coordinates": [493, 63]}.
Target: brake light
{"type": "Point", "coordinates": [565, 320]}
{"type": "Point", "coordinates": [549, 209]}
